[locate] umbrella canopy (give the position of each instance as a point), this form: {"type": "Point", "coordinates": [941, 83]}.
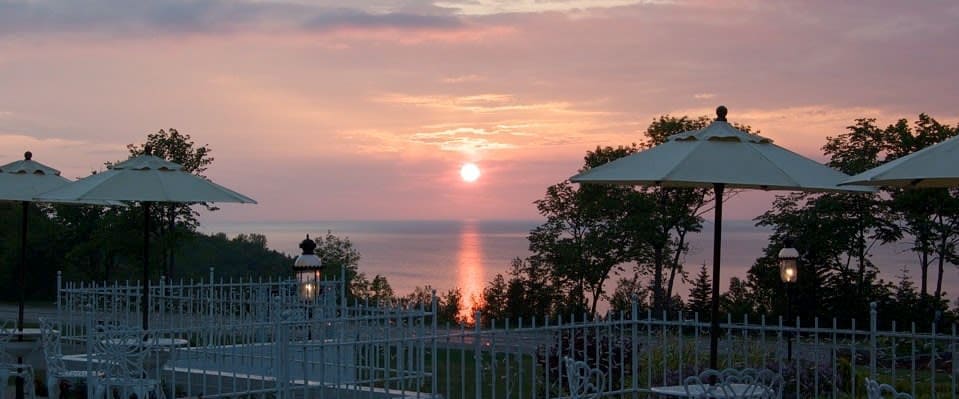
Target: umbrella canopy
{"type": "Point", "coordinates": [933, 166]}
{"type": "Point", "coordinates": [718, 156]}
{"type": "Point", "coordinates": [21, 181]}
{"type": "Point", "coordinates": [146, 179]}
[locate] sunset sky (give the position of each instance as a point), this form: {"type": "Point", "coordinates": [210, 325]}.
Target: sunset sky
{"type": "Point", "coordinates": [367, 109]}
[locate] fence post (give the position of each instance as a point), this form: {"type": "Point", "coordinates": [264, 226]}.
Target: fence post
{"type": "Point", "coordinates": [872, 340]}
{"type": "Point", "coordinates": [212, 320]}
{"type": "Point", "coordinates": [634, 321]}
{"type": "Point", "coordinates": [282, 355]}
{"type": "Point", "coordinates": [433, 355]}
{"type": "Point", "coordinates": [88, 319]}
{"type": "Point", "coordinates": [477, 353]}
{"type": "Point", "coordinates": [59, 292]}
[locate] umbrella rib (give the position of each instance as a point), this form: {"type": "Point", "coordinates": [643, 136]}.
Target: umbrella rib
{"type": "Point", "coordinates": [667, 176]}
{"type": "Point", "coordinates": [781, 171]}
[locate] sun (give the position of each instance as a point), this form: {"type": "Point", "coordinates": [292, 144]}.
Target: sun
{"type": "Point", "coordinates": [470, 172]}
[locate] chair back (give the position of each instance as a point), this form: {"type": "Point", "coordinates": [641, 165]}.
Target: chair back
{"type": "Point", "coordinates": [875, 390]}
{"type": "Point", "coordinates": [52, 349]}
{"type": "Point", "coordinates": [584, 381]}
{"type": "Point", "coordinates": [735, 383]}
{"type": "Point", "coordinates": [701, 386]}
{"type": "Point", "coordinates": [120, 352]}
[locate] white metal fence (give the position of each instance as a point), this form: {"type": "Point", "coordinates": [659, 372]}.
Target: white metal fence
{"type": "Point", "coordinates": [257, 338]}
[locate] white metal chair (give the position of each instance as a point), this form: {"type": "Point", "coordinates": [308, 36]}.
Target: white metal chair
{"type": "Point", "coordinates": [875, 390]}
{"type": "Point", "coordinates": [119, 356]}
{"type": "Point", "coordinates": [701, 386]}
{"type": "Point", "coordinates": [584, 381]}
{"type": "Point", "coordinates": [10, 367]}
{"type": "Point", "coordinates": [57, 371]}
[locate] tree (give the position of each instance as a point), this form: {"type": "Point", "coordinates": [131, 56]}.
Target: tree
{"type": "Point", "coordinates": [699, 294]}
{"type": "Point", "coordinates": [675, 215]}
{"type": "Point", "coordinates": [341, 259]}
{"type": "Point", "coordinates": [738, 299]}
{"type": "Point", "coordinates": [174, 218]}
{"type": "Point", "coordinates": [528, 292]}
{"type": "Point", "coordinates": [449, 309]}
{"type": "Point", "coordinates": [587, 234]}
{"type": "Point", "coordinates": [930, 216]}
{"type": "Point", "coordinates": [852, 152]}
{"type": "Point", "coordinates": [627, 291]}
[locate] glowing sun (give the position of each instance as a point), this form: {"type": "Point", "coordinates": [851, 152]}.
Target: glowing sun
{"type": "Point", "coordinates": [470, 172]}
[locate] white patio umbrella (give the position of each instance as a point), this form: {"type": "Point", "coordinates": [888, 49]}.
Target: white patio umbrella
{"type": "Point", "coordinates": [718, 156]}
{"type": "Point", "coordinates": [21, 181]}
{"type": "Point", "coordinates": [933, 166]}
{"type": "Point", "coordinates": [146, 179]}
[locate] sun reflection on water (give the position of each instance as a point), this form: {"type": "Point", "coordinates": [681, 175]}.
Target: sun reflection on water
{"type": "Point", "coordinates": [469, 268]}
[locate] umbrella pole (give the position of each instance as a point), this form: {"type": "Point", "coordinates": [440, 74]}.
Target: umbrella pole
{"type": "Point", "coordinates": [18, 389]}
{"type": "Point", "coordinates": [23, 265]}
{"type": "Point", "coordinates": [145, 304]}
{"type": "Point", "coordinates": [717, 245]}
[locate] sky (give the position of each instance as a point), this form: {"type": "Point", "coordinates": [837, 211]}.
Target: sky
{"type": "Point", "coordinates": [325, 110]}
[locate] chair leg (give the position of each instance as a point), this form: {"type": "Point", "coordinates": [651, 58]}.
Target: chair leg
{"type": "Point", "coordinates": [53, 387]}
{"type": "Point", "coordinates": [5, 379]}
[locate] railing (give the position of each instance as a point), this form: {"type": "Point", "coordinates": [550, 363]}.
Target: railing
{"type": "Point", "coordinates": [257, 338]}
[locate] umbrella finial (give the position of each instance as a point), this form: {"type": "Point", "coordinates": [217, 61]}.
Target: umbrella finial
{"type": "Point", "coordinates": [27, 155]}
{"type": "Point", "coordinates": [721, 113]}
{"type": "Point", "coordinates": [147, 150]}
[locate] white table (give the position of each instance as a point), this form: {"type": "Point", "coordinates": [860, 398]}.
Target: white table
{"type": "Point", "coordinates": [22, 342]}
{"type": "Point", "coordinates": [696, 391]}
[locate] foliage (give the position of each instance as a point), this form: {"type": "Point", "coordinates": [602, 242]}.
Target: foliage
{"type": "Point", "coordinates": [373, 292]}
{"type": "Point", "coordinates": [814, 380]}
{"type": "Point", "coordinates": [448, 305]}
{"type": "Point", "coordinates": [835, 232]}
{"type": "Point", "coordinates": [629, 290]}
{"type": "Point", "coordinates": [929, 216]}
{"type": "Point", "coordinates": [585, 238]}
{"type": "Point", "coordinates": [242, 256]}
{"type": "Point", "coordinates": [609, 351]}
{"type": "Point", "coordinates": [341, 260]}
{"type": "Point", "coordinates": [529, 292]}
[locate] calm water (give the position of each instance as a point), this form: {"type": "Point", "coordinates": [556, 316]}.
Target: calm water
{"type": "Point", "coordinates": [468, 254]}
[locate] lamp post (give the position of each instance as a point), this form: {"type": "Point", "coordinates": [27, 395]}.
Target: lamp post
{"type": "Point", "coordinates": [308, 269]}
{"type": "Point", "coordinates": [788, 272]}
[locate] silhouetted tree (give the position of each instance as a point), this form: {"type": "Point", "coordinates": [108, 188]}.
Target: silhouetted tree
{"type": "Point", "coordinates": [699, 294]}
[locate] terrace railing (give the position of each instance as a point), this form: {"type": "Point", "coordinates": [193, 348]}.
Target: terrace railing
{"type": "Point", "coordinates": [257, 338]}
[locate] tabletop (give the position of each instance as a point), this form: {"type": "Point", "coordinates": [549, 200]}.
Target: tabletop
{"type": "Point", "coordinates": [158, 343]}
{"type": "Point", "coordinates": [26, 332]}
{"type": "Point", "coordinates": [696, 391]}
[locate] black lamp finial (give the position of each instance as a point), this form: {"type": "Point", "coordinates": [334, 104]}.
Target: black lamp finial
{"type": "Point", "coordinates": [28, 155]}
{"type": "Point", "coordinates": [308, 246]}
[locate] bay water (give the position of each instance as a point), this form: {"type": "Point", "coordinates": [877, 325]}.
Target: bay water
{"type": "Point", "coordinates": [468, 254]}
